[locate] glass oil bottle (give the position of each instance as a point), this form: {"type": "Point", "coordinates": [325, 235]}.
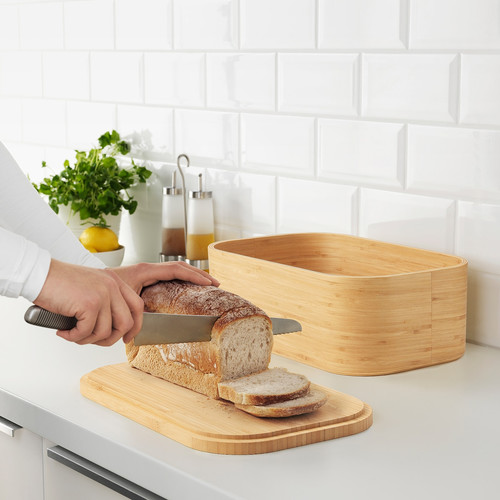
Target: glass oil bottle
{"type": "Point", "coordinates": [200, 226]}
{"type": "Point", "coordinates": [173, 236]}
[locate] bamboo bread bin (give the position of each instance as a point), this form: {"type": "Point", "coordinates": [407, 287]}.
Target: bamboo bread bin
{"type": "Point", "coordinates": [366, 307]}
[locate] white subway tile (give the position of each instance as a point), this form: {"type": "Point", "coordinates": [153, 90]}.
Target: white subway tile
{"type": "Point", "coordinates": [21, 74]}
{"type": "Point", "coordinates": [278, 24]}
{"type": "Point", "coordinates": [143, 25]}
{"type": "Point", "coordinates": [241, 81]}
{"type": "Point", "coordinates": [278, 144]}
{"type": "Point", "coordinates": [9, 27]}
{"type": "Point", "coordinates": [41, 26]}
{"type": "Point", "coordinates": [116, 76]}
{"type": "Point", "coordinates": [29, 158]}
{"type": "Point", "coordinates": [206, 24]}
{"type": "Point", "coordinates": [348, 24]}
{"type": "Point", "coordinates": [44, 121]}
{"type": "Point", "coordinates": [480, 96]}
{"type": "Point", "coordinates": [228, 209]}
{"type": "Point", "coordinates": [410, 86]}
{"type": "Point", "coordinates": [176, 79]}
{"type": "Point", "coordinates": [246, 201]}
{"type": "Point", "coordinates": [458, 162]}
{"type": "Point", "coordinates": [483, 313]}
{"type": "Point", "coordinates": [362, 152]}
{"type": "Point", "coordinates": [10, 119]}
{"type": "Point", "coordinates": [209, 138]}
{"type": "Point", "coordinates": [55, 158]}
{"type": "Point", "coordinates": [478, 235]}
{"type": "Point", "coordinates": [66, 75]}
{"type": "Point", "coordinates": [305, 206]}
{"type": "Point", "coordinates": [417, 221]}
{"type": "Point", "coordinates": [89, 24]}
{"type": "Point", "coordinates": [149, 129]}
{"type": "Point", "coordinates": [318, 83]}
{"type": "Point", "coordinates": [87, 121]}
{"type": "Point", "coordinates": [448, 24]}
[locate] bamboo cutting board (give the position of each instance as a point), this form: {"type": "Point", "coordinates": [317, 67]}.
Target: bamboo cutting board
{"type": "Point", "coordinates": [216, 426]}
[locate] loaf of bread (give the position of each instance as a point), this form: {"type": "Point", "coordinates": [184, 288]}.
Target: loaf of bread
{"type": "Point", "coordinates": [233, 365]}
{"type": "Point", "coordinates": [241, 341]}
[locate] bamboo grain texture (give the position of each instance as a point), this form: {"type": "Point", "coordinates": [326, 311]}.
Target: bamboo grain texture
{"type": "Point", "coordinates": [366, 307]}
{"type": "Point", "coordinates": [217, 426]}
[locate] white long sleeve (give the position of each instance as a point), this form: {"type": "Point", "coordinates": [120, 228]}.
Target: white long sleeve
{"type": "Point", "coordinates": [30, 235]}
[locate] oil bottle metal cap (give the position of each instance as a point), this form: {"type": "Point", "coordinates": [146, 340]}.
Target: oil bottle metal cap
{"type": "Point", "coordinates": [200, 194]}
{"type": "Point", "coordinates": [172, 190]}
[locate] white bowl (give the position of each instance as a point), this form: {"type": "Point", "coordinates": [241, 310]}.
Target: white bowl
{"type": "Point", "coordinates": [113, 258]}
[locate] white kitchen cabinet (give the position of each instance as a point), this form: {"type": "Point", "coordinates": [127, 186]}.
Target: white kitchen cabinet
{"type": "Point", "coordinates": [21, 470]}
{"type": "Point", "coordinates": [68, 475]}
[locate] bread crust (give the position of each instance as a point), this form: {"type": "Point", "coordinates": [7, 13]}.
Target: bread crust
{"type": "Point", "coordinates": [312, 401]}
{"type": "Point", "coordinates": [195, 365]}
{"type": "Point", "coordinates": [265, 388]}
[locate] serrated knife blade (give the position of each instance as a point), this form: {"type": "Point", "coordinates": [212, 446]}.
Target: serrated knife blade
{"type": "Point", "coordinates": [158, 328]}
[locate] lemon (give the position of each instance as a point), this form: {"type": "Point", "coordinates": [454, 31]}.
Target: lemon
{"type": "Point", "coordinates": [99, 239]}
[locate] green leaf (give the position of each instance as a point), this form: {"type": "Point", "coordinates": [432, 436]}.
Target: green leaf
{"type": "Point", "coordinates": [95, 186]}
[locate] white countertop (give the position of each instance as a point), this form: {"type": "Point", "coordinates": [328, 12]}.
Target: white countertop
{"type": "Point", "coordinates": [435, 430]}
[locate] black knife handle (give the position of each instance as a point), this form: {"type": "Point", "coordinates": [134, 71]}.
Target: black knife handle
{"type": "Point", "coordinates": [41, 317]}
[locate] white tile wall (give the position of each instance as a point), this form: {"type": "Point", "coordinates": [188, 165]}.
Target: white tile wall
{"type": "Point", "coordinates": [463, 162]}
{"type": "Point", "coordinates": [362, 152]}
{"type": "Point", "coordinates": [174, 78]}
{"type": "Point", "coordinates": [410, 86]}
{"type": "Point", "coordinates": [145, 26]}
{"type": "Point", "coordinates": [418, 221]}
{"type": "Point", "coordinates": [149, 129]}
{"type": "Point", "coordinates": [44, 122]}
{"type": "Point", "coordinates": [479, 98]}
{"type": "Point", "coordinates": [41, 26]}
{"type": "Point", "coordinates": [89, 24]}
{"type": "Point", "coordinates": [264, 25]}
{"type": "Point", "coordinates": [205, 24]}
{"type": "Point", "coordinates": [11, 119]}
{"type": "Point", "coordinates": [66, 75]}
{"type": "Point", "coordinates": [310, 206]}
{"type": "Point", "coordinates": [356, 24]}
{"type": "Point", "coordinates": [21, 74]}
{"type": "Point", "coordinates": [241, 81]}
{"type": "Point", "coordinates": [380, 119]}
{"type": "Point", "coordinates": [448, 24]}
{"type": "Point", "coordinates": [318, 83]}
{"type": "Point", "coordinates": [277, 144]}
{"type": "Point", "coordinates": [210, 138]}
{"type": "Point", "coordinates": [9, 27]}
{"type": "Point", "coordinates": [116, 76]}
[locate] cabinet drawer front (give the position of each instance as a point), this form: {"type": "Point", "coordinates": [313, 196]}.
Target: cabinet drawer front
{"type": "Point", "coordinates": [100, 475]}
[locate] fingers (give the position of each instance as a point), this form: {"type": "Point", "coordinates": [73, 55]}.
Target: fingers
{"type": "Point", "coordinates": [140, 275]}
{"type": "Point", "coordinates": [184, 271]}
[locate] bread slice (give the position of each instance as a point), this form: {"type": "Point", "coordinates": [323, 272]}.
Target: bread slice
{"type": "Point", "coordinates": [306, 404]}
{"type": "Point", "coordinates": [241, 343]}
{"type": "Point", "coordinates": [270, 386]}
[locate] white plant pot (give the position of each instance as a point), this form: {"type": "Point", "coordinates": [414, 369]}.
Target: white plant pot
{"type": "Point", "coordinates": [75, 224]}
{"type": "Point", "coordinates": [145, 224]}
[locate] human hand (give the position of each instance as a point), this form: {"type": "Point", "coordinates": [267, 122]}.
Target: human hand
{"type": "Point", "coordinates": [105, 307]}
{"type": "Point", "coordinates": [140, 275]}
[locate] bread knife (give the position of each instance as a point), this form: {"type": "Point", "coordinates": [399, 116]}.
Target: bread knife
{"type": "Point", "coordinates": [157, 328]}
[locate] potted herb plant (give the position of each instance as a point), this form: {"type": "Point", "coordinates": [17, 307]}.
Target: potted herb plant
{"type": "Point", "coordinates": [95, 188]}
